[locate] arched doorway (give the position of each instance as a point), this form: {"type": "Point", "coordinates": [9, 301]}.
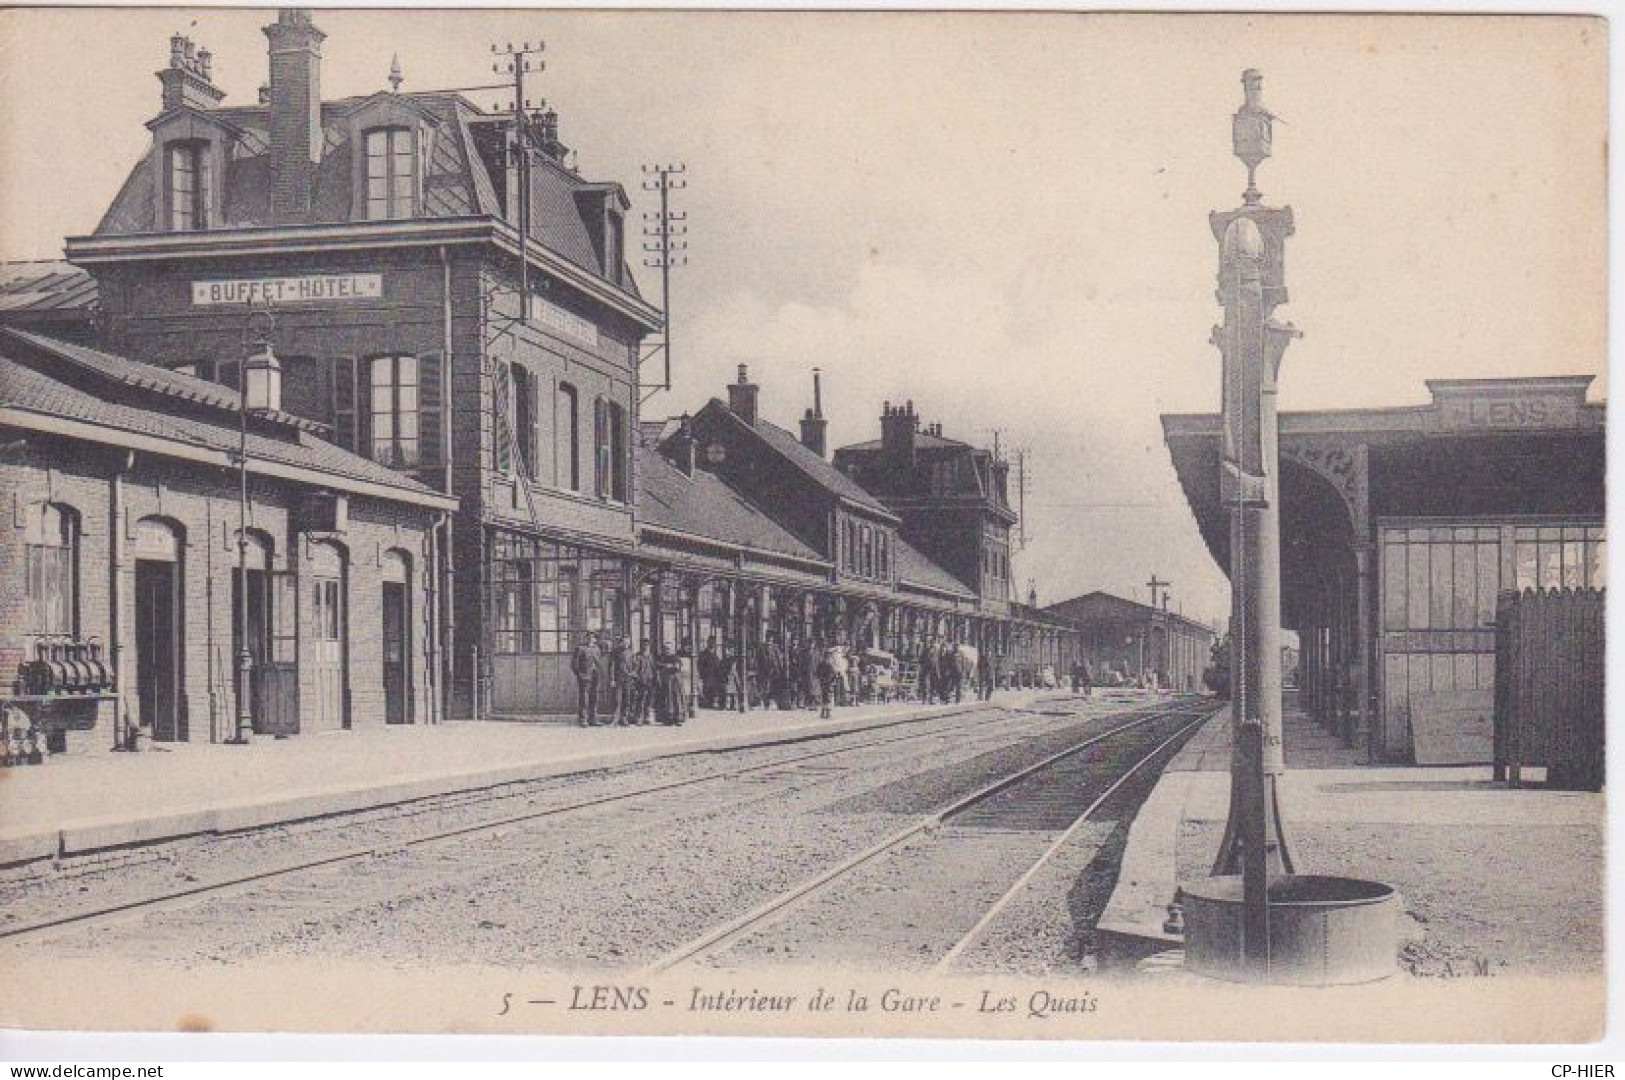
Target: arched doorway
{"type": "Point", "coordinates": [395, 572]}
{"type": "Point", "coordinates": [329, 626]}
{"type": "Point", "coordinates": [160, 592]}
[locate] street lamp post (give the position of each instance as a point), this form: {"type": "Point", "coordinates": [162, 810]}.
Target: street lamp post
{"type": "Point", "coordinates": [259, 390]}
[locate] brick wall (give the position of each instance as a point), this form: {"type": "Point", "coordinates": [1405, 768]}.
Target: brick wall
{"type": "Point", "coordinates": [201, 505]}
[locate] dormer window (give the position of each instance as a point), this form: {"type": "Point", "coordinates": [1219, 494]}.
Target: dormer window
{"type": "Point", "coordinates": [186, 185]}
{"type": "Point", "coordinates": [391, 171]}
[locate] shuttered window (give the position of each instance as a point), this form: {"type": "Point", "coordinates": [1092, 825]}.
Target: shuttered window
{"type": "Point", "coordinates": [393, 411]}
{"type": "Point", "coordinates": [502, 418]}
{"type": "Point", "coordinates": [602, 461]}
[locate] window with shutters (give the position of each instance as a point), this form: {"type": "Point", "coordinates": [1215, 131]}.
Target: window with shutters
{"type": "Point", "coordinates": [391, 174]}
{"type": "Point", "coordinates": [392, 410]}
{"type": "Point", "coordinates": [51, 567]}
{"type": "Point", "coordinates": [603, 463]}
{"type": "Point", "coordinates": [618, 460]}
{"type": "Point", "coordinates": [523, 414]}
{"type": "Point", "coordinates": [570, 426]}
{"type": "Point", "coordinates": [502, 419]}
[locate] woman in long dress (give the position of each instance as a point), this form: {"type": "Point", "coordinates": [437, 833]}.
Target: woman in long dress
{"type": "Point", "coordinates": [670, 708]}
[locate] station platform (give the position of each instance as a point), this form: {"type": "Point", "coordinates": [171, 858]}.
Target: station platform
{"type": "Point", "coordinates": [98, 799]}
{"type": "Point", "coordinates": [1448, 838]}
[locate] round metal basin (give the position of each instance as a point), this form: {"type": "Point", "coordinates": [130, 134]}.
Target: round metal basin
{"type": "Point", "coordinates": [1323, 930]}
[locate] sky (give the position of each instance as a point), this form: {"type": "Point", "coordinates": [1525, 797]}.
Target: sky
{"type": "Point", "coordinates": [1001, 217]}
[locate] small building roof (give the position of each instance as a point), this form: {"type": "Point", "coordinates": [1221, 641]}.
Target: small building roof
{"type": "Point", "coordinates": [915, 568]}
{"type": "Point", "coordinates": [706, 506]}
{"type": "Point", "coordinates": [1105, 605]}
{"type": "Point", "coordinates": [45, 286]}
{"type": "Point", "coordinates": [103, 402]}
{"type": "Point", "coordinates": [812, 465]}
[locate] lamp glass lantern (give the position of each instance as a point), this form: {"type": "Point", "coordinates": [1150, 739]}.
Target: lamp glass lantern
{"type": "Point", "coordinates": [262, 379]}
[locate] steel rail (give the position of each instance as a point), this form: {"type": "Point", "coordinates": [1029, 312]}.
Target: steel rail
{"type": "Point", "coordinates": [942, 966]}
{"type": "Point", "coordinates": [766, 913]}
{"type": "Point", "coordinates": [236, 881]}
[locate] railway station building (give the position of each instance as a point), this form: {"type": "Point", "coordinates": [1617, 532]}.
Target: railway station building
{"type": "Point", "coordinates": [382, 233]}
{"type": "Point", "coordinates": [376, 242]}
{"type": "Point", "coordinates": [1130, 643]}
{"type": "Point", "coordinates": [120, 566]}
{"type": "Point", "coordinates": [1400, 527]}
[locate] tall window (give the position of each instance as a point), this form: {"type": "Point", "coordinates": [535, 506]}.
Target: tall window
{"type": "Point", "coordinates": [615, 448]}
{"type": "Point", "coordinates": [391, 174]}
{"type": "Point", "coordinates": [570, 425]}
{"type": "Point", "coordinates": [393, 382]}
{"type": "Point", "coordinates": [524, 419]}
{"type": "Point", "coordinates": [52, 568]}
{"type": "Point", "coordinates": [187, 185]}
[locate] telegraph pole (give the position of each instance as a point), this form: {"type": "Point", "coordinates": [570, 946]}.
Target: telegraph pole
{"type": "Point", "coordinates": [1252, 241]}
{"type": "Point", "coordinates": [518, 64]}
{"type": "Point", "coordinates": [665, 245]}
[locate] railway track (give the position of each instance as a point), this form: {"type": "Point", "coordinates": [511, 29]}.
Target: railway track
{"type": "Point", "coordinates": [792, 769]}
{"type": "Point", "coordinates": [1041, 796]}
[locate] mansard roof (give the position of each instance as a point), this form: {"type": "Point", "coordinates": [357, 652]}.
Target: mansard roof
{"type": "Point", "coordinates": [462, 176]}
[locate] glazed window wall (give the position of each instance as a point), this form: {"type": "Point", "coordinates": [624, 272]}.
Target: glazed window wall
{"type": "Point", "coordinates": [1438, 589]}
{"type": "Point", "coordinates": [546, 596]}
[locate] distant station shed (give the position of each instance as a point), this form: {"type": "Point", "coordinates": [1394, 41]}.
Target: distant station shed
{"type": "Point", "coordinates": [1399, 527]}
{"type": "Point", "coordinates": [1130, 643]}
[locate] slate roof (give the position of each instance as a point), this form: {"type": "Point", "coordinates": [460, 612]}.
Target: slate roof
{"type": "Point", "coordinates": [47, 285]}
{"type": "Point", "coordinates": [1099, 605]}
{"type": "Point", "coordinates": [914, 568]}
{"type": "Point", "coordinates": [144, 376]}
{"type": "Point", "coordinates": [119, 404]}
{"type": "Point", "coordinates": [706, 505]}
{"type": "Point", "coordinates": [922, 441]}
{"type": "Point", "coordinates": [812, 465]}
{"type": "Point", "coordinates": [458, 178]}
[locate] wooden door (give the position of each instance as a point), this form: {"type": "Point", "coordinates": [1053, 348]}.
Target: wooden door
{"type": "Point", "coordinates": [278, 711]}
{"type": "Point", "coordinates": [397, 650]}
{"type": "Point", "coordinates": [327, 653]}
{"type": "Point", "coordinates": [157, 649]}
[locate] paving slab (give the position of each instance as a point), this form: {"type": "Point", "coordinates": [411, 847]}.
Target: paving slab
{"type": "Point", "coordinates": [1440, 833]}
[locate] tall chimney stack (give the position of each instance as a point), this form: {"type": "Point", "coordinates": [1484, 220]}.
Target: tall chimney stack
{"type": "Point", "coordinates": [681, 446]}
{"type": "Point", "coordinates": [814, 428]}
{"type": "Point", "coordinates": [296, 112]}
{"type": "Point", "coordinates": [742, 397]}
{"type": "Point", "coordinates": [898, 426]}
{"type": "Point", "coordinates": [187, 79]}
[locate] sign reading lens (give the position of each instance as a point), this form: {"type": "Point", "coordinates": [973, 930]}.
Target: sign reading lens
{"type": "Point", "coordinates": [289, 290]}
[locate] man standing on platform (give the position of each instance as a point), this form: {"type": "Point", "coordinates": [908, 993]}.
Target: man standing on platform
{"type": "Point", "coordinates": [640, 685]}
{"type": "Point", "coordinates": [928, 670]}
{"type": "Point", "coordinates": [620, 680]}
{"type": "Point", "coordinates": [584, 664]}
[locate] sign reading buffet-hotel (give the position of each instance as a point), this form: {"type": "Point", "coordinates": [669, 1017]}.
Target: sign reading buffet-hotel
{"type": "Point", "coordinates": [288, 290]}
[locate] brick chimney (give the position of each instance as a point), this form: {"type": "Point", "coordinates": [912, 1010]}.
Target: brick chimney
{"type": "Point", "coordinates": [296, 112]}
{"type": "Point", "coordinates": [742, 397]}
{"type": "Point", "coordinates": [187, 79]}
{"type": "Point", "coordinates": [814, 428]}
{"type": "Point", "coordinates": [898, 426]}
{"type": "Point", "coordinates": [680, 447]}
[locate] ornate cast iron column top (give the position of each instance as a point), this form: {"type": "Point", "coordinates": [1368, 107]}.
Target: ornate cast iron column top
{"type": "Point", "coordinates": [1250, 131]}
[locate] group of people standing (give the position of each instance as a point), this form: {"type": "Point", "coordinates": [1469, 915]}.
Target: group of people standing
{"type": "Point", "coordinates": [788, 675]}
{"type": "Point", "coordinates": [619, 687]}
